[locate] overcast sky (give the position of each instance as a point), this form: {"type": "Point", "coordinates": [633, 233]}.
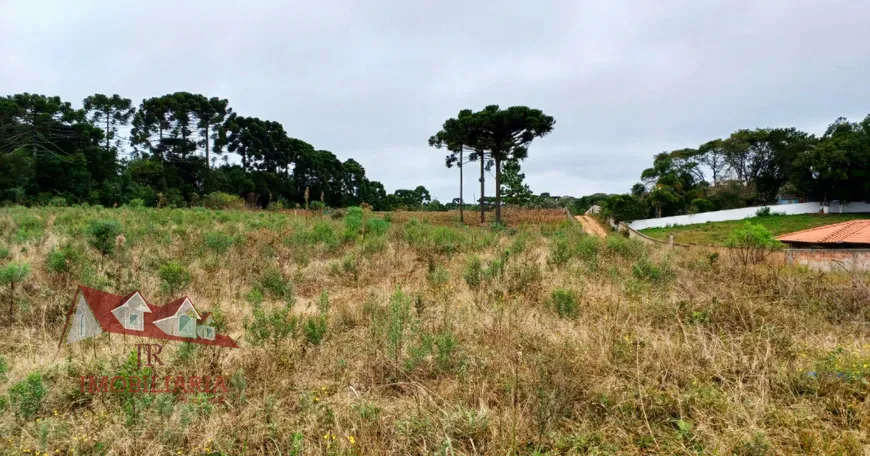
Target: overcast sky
{"type": "Point", "coordinates": [374, 79]}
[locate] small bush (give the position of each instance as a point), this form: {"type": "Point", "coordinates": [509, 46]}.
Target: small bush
{"type": "Point", "coordinates": [623, 247]}
{"type": "Point", "coordinates": [217, 241]}
{"type": "Point", "coordinates": [57, 201]}
{"type": "Point", "coordinates": [60, 260]}
{"type": "Point", "coordinates": [353, 222]}
{"type": "Point", "coordinates": [270, 327]}
{"type": "Point", "coordinates": [446, 241]}
{"type": "Point", "coordinates": [645, 269]}
{"type": "Point", "coordinates": [27, 396]}
{"type": "Point", "coordinates": [314, 327]}
{"type": "Point", "coordinates": [29, 227]}
{"type": "Point", "coordinates": [763, 212]}
{"type": "Point", "coordinates": [323, 233]}
{"type": "Point", "coordinates": [565, 303]}
{"type": "Point", "coordinates": [377, 226]}
{"type": "Point", "coordinates": [751, 244]}
{"type": "Point", "coordinates": [4, 252]}
{"type": "Point", "coordinates": [274, 282]}
{"type": "Point", "coordinates": [136, 203]}
{"type": "Point", "coordinates": [12, 274]}
{"type": "Point", "coordinates": [174, 276]}
{"type": "Point", "coordinates": [588, 248]}
{"type": "Point", "coordinates": [102, 235]}
{"type": "Point", "coordinates": [473, 272]}
{"type": "Point", "coordinates": [221, 200]}
{"type": "Point", "coordinates": [4, 369]}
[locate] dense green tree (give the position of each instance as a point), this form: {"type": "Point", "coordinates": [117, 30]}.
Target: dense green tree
{"type": "Point", "coordinates": [515, 190]}
{"type": "Point", "coordinates": [624, 208]}
{"type": "Point", "coordinates": [507, 134]}
{"type": "Point", "coordinates": [712, 155]}
{"type": "Point", "coordinates": [211, 114]}
{"type": "Point", "coordinates": [838, 167]}
{"type": "Point", "coordinates": [109, 113]}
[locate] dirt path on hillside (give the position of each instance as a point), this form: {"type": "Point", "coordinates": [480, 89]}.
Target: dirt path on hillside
{"type": "Point", "coordinates": [591, 226]}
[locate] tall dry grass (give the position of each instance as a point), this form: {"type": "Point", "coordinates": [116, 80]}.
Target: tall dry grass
{"type": "Point", "coordinates": [429, 339]}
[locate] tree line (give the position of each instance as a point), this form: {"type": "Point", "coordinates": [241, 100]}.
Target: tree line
{"type": "Point", "coordinates": [750, 168]}
{"type": "Point", "coordinates": [165, 152]}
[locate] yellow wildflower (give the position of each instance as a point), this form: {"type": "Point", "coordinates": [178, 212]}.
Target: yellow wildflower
{"type": "Point", "coordinates": [351, 439]}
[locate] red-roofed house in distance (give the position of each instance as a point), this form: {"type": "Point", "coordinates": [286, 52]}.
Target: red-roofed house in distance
{"type": "Point", "coordinates": [95, 312]}
{"type": "Point", "coordinates": [837, 247]}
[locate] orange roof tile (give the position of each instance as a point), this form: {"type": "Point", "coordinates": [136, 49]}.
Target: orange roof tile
{"type": "Point", "coordinates": [851, 232]}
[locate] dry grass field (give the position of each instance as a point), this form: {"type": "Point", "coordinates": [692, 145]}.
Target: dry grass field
{"type": "Point", "coordinates": [360, 335]}
{"type": "Point", "coordinates": [512, 216]}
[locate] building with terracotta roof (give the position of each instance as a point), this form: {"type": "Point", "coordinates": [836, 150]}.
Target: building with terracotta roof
{"type": "Point", "coordinates": [836, 247]}
{"type": "Point", "coordinates": [95, 312]}
{"type": "Point", "coordinates": [854, 233]}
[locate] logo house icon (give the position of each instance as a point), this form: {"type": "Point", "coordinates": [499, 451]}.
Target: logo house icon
{"type": "Point", "coordinates": [95, 312]}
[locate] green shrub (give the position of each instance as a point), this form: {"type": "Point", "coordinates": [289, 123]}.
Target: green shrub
{"type": "Point", "coordinates": [12, 274]}
{"type": "Point", "coordinates": [751, 244]}
{"type": "Point", "coordinates": [565, 303]}
{"type": "Point", "coordinates": [323, 233]}
{"type": "Point", "coordinates": [374, 245]}
{"type": "Point", "coordinates": [221, 200]}
{"type": "Point", "coordinates": [377, 226]}
{"type": "Point", "coordinates": [270, 327]}
{"type": "Point", "coordinates": [702, 205]}
{"type": "Point", "coordinates": [61, 259]}
{"type": "Point", "coordinates": [588, 248]}
{"type": "Point", "coordinates": [473, 272]}
{"type": "Point", "coordinates": [102, 235]}
{"type": "Point", "coordinates": [57, 201]}
{"type": "Point", "coordinates": [217, 241]}
{"type": "Point", "coordinates": [4, 369]}
{"type": "Point", "coordinates": [644, 269]}
{"type": "Point", "coordinates": [353, 222]}
{"type": "Point", "coordinates": [763, 212]}
{"type": "Point", "coordinates": [174, 276]}
{"type": "Point", "coordinates": [27, 396]}
{"type": "Point", "coordinates": [4, 252]}
{"type": "Point", "coordinates": [135, 203]}
{"type": "Point", "coordinates": [315, 327]}
{"type": "Point", "coordinates": [447, 241]}
{"type": "Point", "coordinates": [621, 246]}
{"type": "Point", "coordinates": [274, 282]}
{"type": "Point", "coordinates": [29, 227]}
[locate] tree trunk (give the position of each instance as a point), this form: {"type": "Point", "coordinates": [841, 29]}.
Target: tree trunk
{"type": "Point", "coordinates": [482, 189]}
{"type": "Point", "coordinates": [207, 162]}
{"type": "Point", "coordinates": [107, 131]}
{"type": "Point", "coordinates": [461, 203]}
{"type": "Point", "coordinates": [497, 190]}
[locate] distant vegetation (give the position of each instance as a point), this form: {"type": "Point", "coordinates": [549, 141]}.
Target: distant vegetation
{"type": "Point", "coordinates": [750, 167]}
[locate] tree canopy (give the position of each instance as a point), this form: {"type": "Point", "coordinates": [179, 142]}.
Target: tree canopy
{"type": "Point", "coordinates": [164, 152]}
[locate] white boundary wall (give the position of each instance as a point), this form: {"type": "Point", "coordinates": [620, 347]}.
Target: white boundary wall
{"type": "Point", "coordinates": [746, 212]}
{"type": "Point", "coordinates": [722, 216]}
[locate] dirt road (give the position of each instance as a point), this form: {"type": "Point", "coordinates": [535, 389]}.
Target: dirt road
{"type": "Point", "coordinates": [591, 226]}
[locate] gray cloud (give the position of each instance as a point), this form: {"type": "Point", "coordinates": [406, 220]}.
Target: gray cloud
{"type": "Point", "coordinates": [373, 80]}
